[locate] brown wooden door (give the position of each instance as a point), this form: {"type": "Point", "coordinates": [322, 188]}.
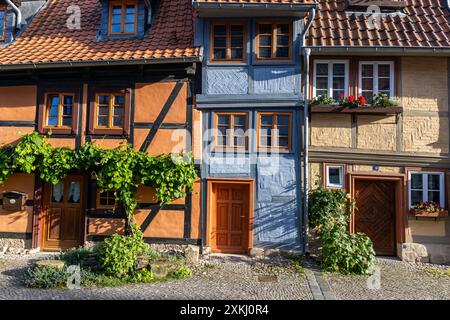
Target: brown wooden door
{"type": "Point", "coordinates": [62, 218]}
{"type": "Point", "coordinates": [230, 219]}
{"type": "Point", "coordinates": [375, 214]}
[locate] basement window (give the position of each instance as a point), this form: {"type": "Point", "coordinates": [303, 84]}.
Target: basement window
{"type": "Point", "coordinates": [426, 186]}
{"type": "Point", "coordinates": [334, 176]}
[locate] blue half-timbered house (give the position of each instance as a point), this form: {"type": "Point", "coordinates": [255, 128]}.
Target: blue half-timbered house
{"type": "Point", "coordinates": [252, 115]}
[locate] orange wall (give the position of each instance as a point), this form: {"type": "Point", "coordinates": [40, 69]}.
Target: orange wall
{"type": "Point", "coordinates": [18, 103]}
{"type": "Point", "coordinates": [20, 221]}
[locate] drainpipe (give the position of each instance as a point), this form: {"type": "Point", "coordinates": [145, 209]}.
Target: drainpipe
{"type": "Point", "coordinates": [306, 54]}
{"type": "Point", "coordinates": [19, 19]}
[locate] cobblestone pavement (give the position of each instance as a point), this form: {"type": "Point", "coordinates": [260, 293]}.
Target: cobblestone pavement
{"type": "Point", "coordinates": [398, 280]}
{"type": "Point", "coordinates": [219, 277]}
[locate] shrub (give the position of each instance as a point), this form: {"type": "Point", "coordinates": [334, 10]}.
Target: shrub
{"type": "Point", "coordinates": [329, 215]}
{"type": "Point", "coordinates": [181, 273]}
{"type": "Point", "coordinates": [141, 276]}
{"type": "Point", "coordinates": [322, 100]}
{"type": "Point", "coordinates": [45, 278]}
{"type": "Point", "coordinates": [74, 256]}
{"type": "Point", "coordinates": [118, 254]}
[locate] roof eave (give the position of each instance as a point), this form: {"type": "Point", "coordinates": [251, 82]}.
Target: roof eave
{"type": "Point", "coordinates": [97, 63]}
{"type": "Point", "coordinates": [270, 6]}
{"type": "Point", "coordinates": [380, 49]}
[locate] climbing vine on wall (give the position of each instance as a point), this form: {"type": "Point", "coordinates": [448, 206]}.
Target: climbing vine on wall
{"type": "Point", "coordinates": [121, 170]}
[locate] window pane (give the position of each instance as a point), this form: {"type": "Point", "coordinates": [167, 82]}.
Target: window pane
{"type": "Point", "coordinates": [118, 122]}
{"type": "Point", "coordinates": [53, 111]}
{"type": "Point", "coordinates": [265, 40]}
{"type": "Point", "coordinates": [74, 192]}
{"type": "Point", "coordinates": [220, 30]}
{"type": "Point", "coordinates": [384, 84]}
{"type": "Point", "coordinates": [367, 84]}
{"type": "Point", "coordinates": [67, 110]}
{"type": "Point", "coordinates": [339, 69]}
{"type": "Point", "coordinates": [265, 52]}
{"type": "Point", "coordinates": [223, 120]}
{"type": "Point", "coordinates": [68, 100]}
{"type": "Point", "coordinates": [117, 9]}
{"type": "Point", "coordinates": [434, 182]}
{"type": "Point", "coordinates": [338, 83]}
{"type": "Point", "coordinates": [103, 111]}
{"type": "Point", "coordinates": [58, 192]}
{"type": "Point", "coordinates": [283, 131]}
{"type": "Point", "coordinates": [337, 94]}
{"type": "Point", "coordinates": [282, 52]}
{"type": "Point", "coordinates": [322, 69]}
{"type": "Point", "coordinates": [103, 100]}
{"type": "Point", "coordinates": [416, 197]}
{"type": "Point", "coordinates": [283, 142]}
{"type": "Point", "coordinates": [220, 54]}
{"type": "Point", "coordinates": [434, 196]}
{"type": "Point", "coordinates": [116, 19]}
{"type": "Point", "coordinates": [129, 28]}
{"type": "Point", "coordinates": [367, 70]}
{"type": "Point", "coordinates": [237, 30]}
{"type": "Point", "coordinates": [119, 100]}
{"type": "Point", "coordinates": [239, 120]}
{"type": "Point", "coordinates": [283, 120]}
{"type": "Point", "coordinates": [384, 70]}
{"type": "Point", "coordinates": [416, 181]}
{"type": "Point", "coordinates": [52, 121]}
{"type": "Point", "coordinates": [129, 18]}
{"type": "Point", "coordinates": [282, 40]}
{"type": "Point", "coordinates": [237, 41]}
{"type": "Point", "coordinates": [102, 121]}
{"type": "Point", "coordinates": [282, 28]}
{"type": "Point", "coordinates": [368, 95]}
{"type": "Point", "coordinates": [67, 121]}
{"type": "Point", "coordinates": [237, 54]}
{"type": "Point", "coordinates": [265, 29]}
{"type": "Point", "coordinates": [334, 176]}
{"type": "Point", "coordinates": [220, 42]}
{"type": "Point", "coordinates": [322, 83]}
{"type": "Point", "coordinates": [116, 29]}
{"type": "Point", "coordinates": [266, 120]}
{"type": "Point", "coordinates": [118, 111]}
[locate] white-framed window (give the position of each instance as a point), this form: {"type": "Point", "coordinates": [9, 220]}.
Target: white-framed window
{"type": "Point", "coordinates": [426, 186]}
{"type": "Point", "coordinates": [376, 77]}
{"type": "Point", "coordinates": [334, 176]}
{"type": "Point", "coordinates": [330, 78]}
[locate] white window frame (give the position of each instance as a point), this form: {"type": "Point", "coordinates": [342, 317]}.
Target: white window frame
{"type": "Point", "coordinates": [341, 168]}
{"type": "Point", "coordinates": [375, 76]}
{"type": "Point", "coordinates": [330, 76]}
{"type": "Point", "coordinates": [425, 186]}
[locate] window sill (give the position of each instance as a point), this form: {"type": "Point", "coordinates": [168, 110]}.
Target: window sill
{"type": "Point", "coordinates": [426, 214]}
{"type": "Point", "coordinates": [112, 132]}
{"type": "Point", "coordinates": [331, 108]}
{"type": "Point", "coordinates": [57, 131]}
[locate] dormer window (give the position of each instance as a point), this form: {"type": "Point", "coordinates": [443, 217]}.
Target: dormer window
{"type": "Point", "coordinates": [123, 17]}
{"type": "Point", "coordinates": [2, 22]}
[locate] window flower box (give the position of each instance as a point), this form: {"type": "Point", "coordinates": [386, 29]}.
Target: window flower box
{"type": "Point", "coordinates": [429, 214]}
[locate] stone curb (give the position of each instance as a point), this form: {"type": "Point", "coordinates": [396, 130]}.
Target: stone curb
{"type": "Point", "coordinates": [320, 288]}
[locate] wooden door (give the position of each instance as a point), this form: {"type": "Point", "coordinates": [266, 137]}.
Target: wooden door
{"type": "Point", "coordinates": [375, 214]}
{"type": "Point", "coordinates": [230, 218]}
{"type": "Point", "coordinates": [62, 218]}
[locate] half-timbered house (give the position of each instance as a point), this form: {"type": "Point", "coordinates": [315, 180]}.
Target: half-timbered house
{"type": "Point", "coordinates": [110, 72]}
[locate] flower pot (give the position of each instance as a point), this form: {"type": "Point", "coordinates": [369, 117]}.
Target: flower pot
{"type": "Point", "coordinates": [430, 214]}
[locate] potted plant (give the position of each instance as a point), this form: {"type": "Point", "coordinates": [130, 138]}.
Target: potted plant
{"type": "Point", "coordinates": [429, 209]}
{"type": "Point", "coordinates": [352, 101]}
{"type": "Point", "coordinates": [382, 100]}
{"type": "Point", "coordinates": [322, 100]}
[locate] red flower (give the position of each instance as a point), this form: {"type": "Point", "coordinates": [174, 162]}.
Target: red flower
{"type": "Point", "coordinates": [351, 99]}
{"type": "Point", "coordinates": [362, 101]}
{"type": "Point", "coordinates": [341, 95]}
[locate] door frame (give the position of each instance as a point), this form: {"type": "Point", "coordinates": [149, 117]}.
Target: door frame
{"type": "Point", "coordinates": [38, 226]}
{"type": "Point", "coordinates": [400, 200]}
{"type": "Point", "coordinates": [250, 184]}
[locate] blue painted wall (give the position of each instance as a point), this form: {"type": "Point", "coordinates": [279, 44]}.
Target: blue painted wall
{"type": "Point", "coordinates": [277, 183]}
{"type": "Point", "coordinates": [261, 77]}
{"type": "Point", "coordinates": [9, 26]}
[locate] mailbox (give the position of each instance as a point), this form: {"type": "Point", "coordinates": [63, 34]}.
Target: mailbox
{"type": "Point", "coordinates": [14, 201]}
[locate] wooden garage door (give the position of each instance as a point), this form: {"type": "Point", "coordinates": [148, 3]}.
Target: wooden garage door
{"type": "Point", "coordinates": [230, 218]}
{"type": "Point", "coordinates": [375, 214]}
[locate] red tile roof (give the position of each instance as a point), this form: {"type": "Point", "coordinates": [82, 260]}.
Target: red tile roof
{"type": "Point", "coordinates": [425, 24]}
{"type": "Point", "coordinates": [48, 40]}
